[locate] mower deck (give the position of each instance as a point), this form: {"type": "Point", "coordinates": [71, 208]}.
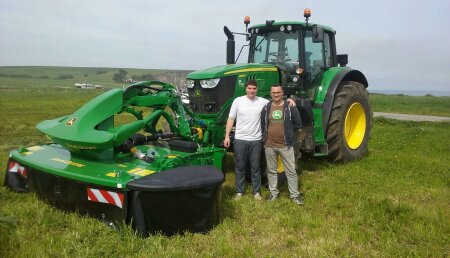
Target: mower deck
{"type": "Point", "coordinates": [126, 189]}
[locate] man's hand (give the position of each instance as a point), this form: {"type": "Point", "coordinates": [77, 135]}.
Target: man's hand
{"type": "Point", "coordinates": [226, 142]}
{"type": "Point", "coordinates": [291, 102]}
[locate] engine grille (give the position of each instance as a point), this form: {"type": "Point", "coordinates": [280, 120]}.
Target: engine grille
{"type": "Point", "coordinates": [210, 101]}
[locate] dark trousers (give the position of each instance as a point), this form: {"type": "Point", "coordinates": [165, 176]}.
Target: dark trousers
{"type": "Point", "coordinates": [247, 151]}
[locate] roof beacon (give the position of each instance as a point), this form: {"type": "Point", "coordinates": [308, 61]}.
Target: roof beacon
{"type": "Point", "coordinates": [307, 14]}
{"type": "Point", "coordinates": [247, 22]}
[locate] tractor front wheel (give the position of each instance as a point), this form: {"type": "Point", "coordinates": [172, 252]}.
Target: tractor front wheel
{"type": "Point", "coordinates": [350, 123]}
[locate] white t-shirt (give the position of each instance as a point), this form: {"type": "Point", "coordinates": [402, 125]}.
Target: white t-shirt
{"type": "Point", "coordinates": [247, 113]}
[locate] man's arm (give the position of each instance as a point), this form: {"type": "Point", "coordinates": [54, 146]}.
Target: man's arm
{"type": "Point", "coordinates": [291, 102]}
{"type": "Point", "coordinates": [230, 123]}
{"type": "Point", "coordinates": [296, 119]}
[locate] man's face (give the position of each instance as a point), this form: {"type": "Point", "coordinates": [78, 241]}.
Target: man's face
{"type": "Point", "coordinates": [251, 91]}
{"type": "Point", "coordinates": [276, 93]}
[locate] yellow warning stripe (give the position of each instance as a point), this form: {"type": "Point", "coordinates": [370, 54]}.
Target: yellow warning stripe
{"type": "Point", "coordinates": [141, 172]}
{"type": "Point", "coordinates": [112, 174]}
{"type": "Point", "coordinates": [266, 69]}
{"type": "Point", "coordinates": [35, 148]}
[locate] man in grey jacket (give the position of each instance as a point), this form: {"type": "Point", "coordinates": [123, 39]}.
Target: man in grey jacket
{"type": "Point", "coordinates": [279, 124]}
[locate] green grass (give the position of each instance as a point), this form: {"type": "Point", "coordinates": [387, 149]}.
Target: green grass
{"type": "Point", "coordinates": [394, 202]}
{"type": "Point", "coordinates": [21, 111]}
{"type": "Point", "coordinates": [424, 105]}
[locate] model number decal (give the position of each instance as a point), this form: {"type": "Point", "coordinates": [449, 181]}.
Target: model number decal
{"type": "Point", "coordinates": [68, 162]}
{"type": "Point", "coordinates": [77, 147]}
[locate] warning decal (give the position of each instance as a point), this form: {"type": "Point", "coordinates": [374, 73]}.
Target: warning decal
{"type": "Point", "coordinates": [15, 167]}
{"type": "Point", "coordinates": [109, 197]}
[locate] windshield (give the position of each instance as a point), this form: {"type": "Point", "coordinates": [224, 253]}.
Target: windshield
{"type": "Point", "coordinates": [276, 47]}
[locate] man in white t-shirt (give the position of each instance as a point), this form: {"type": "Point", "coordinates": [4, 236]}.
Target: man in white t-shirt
{"type": "Point", "coordinates": [246, 111]}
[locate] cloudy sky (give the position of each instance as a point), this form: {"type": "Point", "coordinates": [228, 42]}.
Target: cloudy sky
{"type": "Point", "coordinates": [397, 44]}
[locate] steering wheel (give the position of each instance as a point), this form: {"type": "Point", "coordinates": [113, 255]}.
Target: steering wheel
{"type": "Point", "coordinates": [280, 57]}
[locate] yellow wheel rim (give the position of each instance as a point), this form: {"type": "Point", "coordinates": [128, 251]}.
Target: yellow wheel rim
{"type": "Point", "coordinates": [355, 125]}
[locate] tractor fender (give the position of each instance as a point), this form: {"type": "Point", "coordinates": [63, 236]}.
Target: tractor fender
{"type": "Point", "coordinates": [345, 75]}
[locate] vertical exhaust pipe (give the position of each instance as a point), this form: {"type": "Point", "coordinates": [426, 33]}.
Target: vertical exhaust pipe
{"type": "Point", "coordinates": [230, 45]}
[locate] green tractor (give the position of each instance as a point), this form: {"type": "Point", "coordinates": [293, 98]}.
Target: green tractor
{"type": "Point", "coordinates": [141, 156]}
{"type": "Point", "coordinates": [332, 99]}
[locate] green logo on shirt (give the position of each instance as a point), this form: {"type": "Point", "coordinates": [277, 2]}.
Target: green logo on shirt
{"type": "Point", "coordinates": [277, 114]}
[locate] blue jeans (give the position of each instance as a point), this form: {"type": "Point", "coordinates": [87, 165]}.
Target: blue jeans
{"type": "Point", "coordinates": [247, 151]}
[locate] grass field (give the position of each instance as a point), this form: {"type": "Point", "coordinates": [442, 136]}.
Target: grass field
{"type": "Point", "coordinates": [47, 77]}
{"type": "Point", "coordinates": [423, 105]}
{"type": "Point", "coordinates": [394, 202]}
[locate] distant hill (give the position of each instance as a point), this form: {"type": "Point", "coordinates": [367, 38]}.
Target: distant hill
{"type": "Point", "coordinates": [66, 77]}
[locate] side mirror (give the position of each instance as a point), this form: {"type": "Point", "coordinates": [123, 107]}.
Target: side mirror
{"type": "Point", "coordinates": [342, 60]}
{"type": "Point", "coordinates": [317, 34]}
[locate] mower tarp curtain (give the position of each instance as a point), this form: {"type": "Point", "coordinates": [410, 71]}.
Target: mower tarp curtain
{"type": "Point", "coordinates": [176, 200]}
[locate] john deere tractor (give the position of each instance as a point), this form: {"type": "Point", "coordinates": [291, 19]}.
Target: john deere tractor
{"type": "Point", "coordinates": [114, 160]}
{"type": "Point", "coordinates": [332, 98]}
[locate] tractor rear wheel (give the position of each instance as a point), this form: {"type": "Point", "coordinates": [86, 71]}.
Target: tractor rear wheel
{"type": "Point", "coordinates": [350, 123]}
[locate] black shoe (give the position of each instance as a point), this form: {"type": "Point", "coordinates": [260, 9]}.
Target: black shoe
{"type": "Point", "coordinates": [298, 200]}
{"type": "Point", "coordinates": [272, 198]}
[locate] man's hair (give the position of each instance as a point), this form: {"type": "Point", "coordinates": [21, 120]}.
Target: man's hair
{"type": "Point", "coordinates": [251, 82]}
{"type": "Point", "coordinates": [277, 85]}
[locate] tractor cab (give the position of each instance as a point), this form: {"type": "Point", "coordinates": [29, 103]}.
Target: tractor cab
{"type": "Point", "coordinates": [301, 52]}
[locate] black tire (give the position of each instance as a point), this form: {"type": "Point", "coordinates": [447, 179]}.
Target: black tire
{"type": "Point", "coordinates": [350, 123]}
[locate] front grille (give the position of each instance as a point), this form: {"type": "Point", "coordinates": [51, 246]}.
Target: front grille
{"type": "Point", "coordinates": [210, 101]}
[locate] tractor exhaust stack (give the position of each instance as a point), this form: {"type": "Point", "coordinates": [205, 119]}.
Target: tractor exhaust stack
{"type": "Point", "coordinates": [230, 45]}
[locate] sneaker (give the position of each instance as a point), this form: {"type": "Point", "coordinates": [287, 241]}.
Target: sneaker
{"type": "Point", "coordinates": [238, 196]}
{"type": "Point", "coordinates": [257, 197]}
{"type": "Point", "coordinates": [298, 200]}
{"type": "Point", "coordinates": [272, 198]}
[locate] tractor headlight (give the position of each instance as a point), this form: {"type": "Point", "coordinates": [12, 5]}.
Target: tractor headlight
{"type": "Point", "coordinates": [209, 84]}
{"type": "Point", "coordinates": [190, 84]}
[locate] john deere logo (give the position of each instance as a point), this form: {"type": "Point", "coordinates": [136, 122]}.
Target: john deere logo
{"type": "Point", "coordinates": [276, 114]}
{"type": "Point", "coordinates": [71, 121]}
{"type": "Point", "coordinates": [197, 93]}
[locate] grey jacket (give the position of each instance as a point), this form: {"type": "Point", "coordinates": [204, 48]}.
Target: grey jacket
{"type": "Point", "coordinates": [292, 122]}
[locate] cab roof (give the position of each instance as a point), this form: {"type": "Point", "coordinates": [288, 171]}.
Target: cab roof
{"type": "Point", "coordinates": [294, 23]}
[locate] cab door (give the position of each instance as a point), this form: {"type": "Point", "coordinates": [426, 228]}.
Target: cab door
{"type": "Point", "coordinates": [318, 58]}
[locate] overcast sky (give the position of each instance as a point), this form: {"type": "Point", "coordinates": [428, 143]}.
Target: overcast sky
{"type": "Point", "coordinates": [399, 45]}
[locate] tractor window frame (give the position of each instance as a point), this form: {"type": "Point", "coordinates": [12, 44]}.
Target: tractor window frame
{"type": "Point", "coordinates": [322, 54]}
{"type": "Point", "coordinates": [275, 42]}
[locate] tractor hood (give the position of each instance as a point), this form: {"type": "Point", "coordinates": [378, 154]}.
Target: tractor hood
{"type": "Point", "coordinates": [228, 70]}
